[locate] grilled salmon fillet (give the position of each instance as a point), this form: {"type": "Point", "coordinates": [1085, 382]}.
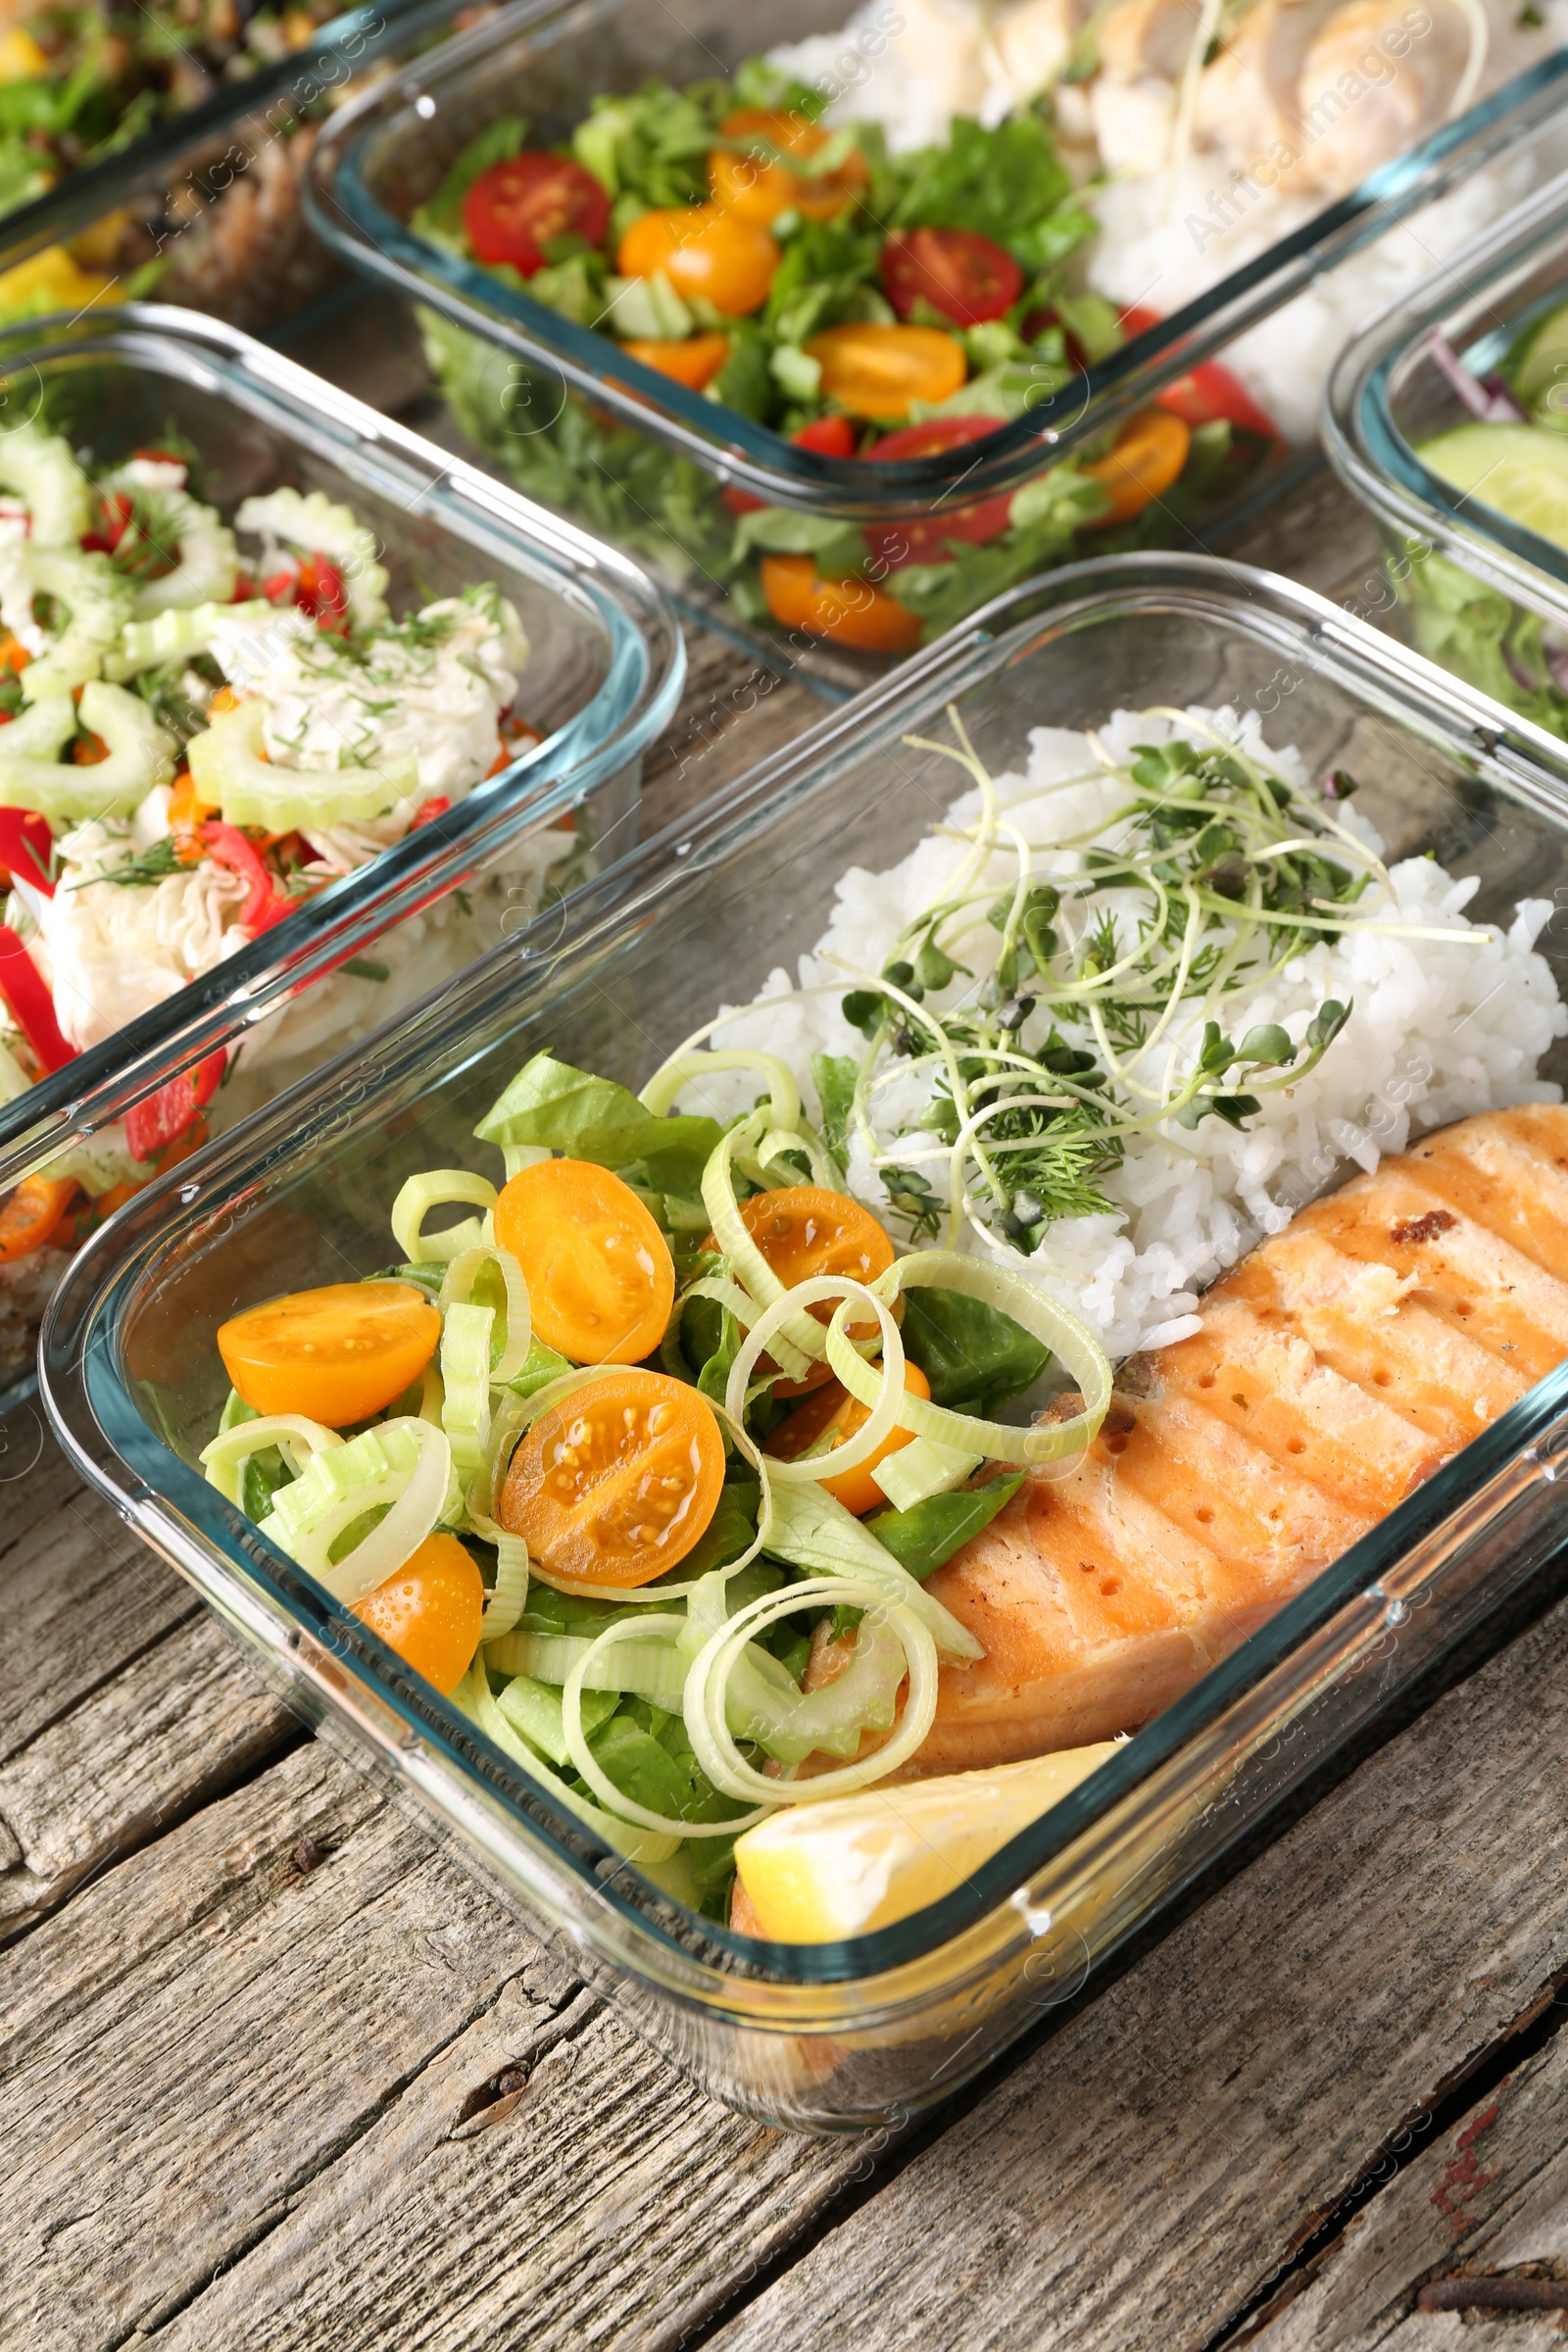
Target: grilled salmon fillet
{"type": "Point", "coordinates": [1337, 1366]}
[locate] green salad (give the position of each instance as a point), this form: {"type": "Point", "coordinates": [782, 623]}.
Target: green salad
{"type": "Point", "coordinates": [866, 306]}
{"type": "Point", "coordinates": [1512, 458]}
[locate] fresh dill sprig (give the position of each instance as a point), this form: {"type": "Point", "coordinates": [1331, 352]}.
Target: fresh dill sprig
{"type": "Point", "coordinates": [151, 865]}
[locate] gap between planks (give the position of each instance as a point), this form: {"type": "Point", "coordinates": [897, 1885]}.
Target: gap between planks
{"type": "Point", "coordinates": [233, 2089]}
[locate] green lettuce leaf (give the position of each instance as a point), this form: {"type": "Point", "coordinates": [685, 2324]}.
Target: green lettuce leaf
{"type": "Point", "coordinates": [1005, 184]}
{"type": "Point", "coordinates": [549, 1103]}
{"type": "Point", "coordinates": [835, 1076]}
{"type": "Point", "coordinates": [974, 1356]}
{"type": "Point", "coordinates": [924, 1537]}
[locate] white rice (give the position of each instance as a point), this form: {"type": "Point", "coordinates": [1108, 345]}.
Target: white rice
{"type": "Point", "coordinates": [1439, 1030]}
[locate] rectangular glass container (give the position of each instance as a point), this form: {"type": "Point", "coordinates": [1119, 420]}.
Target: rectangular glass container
{"type": "Point", "coordinates": [604, 677]}
{"type": "Point", "coordinates": [547, 59]}
{"type": "Point", "coordinates": [1468, 586]}
{"type": "Point", "coordinates": [839, 2035]}
{"type": "Point", "coordinates": [207, 200]}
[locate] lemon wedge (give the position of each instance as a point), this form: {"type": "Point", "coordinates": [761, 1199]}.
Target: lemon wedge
{"type": "Point", "coordinates": [815, 1874]}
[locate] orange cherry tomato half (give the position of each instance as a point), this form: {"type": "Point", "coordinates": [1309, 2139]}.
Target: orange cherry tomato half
{"type": "Point", "coordinates": [616, 1483]}
{"type": "Point", "coordinates": [833, 1412]}
{"type": "Point", "coordinates": [878, 370]}
{"type": "Point", "coordinates": [601, 1279]}
{"type": "Point", "coordinates": [33, 1214]}
{"type": "Point", "coordinates": [1150, 454]}
{"type": "Point", "coordinates": [703, 251]}
{"type": "Point", "coordinates": [853, 613]}
{"type": "Point", "coordinates": [803, 1230]}
{"type": "Point", "coordinates": [337, 1354]}
{"type": "Point", "coordinates": [923, 538]}
{"type": "Point", "coordinates": [758, 185]}
{"type": "Point", "coordinates": [693, 362]}
{"type": "Point", "coordinates": [958, 272]}
{"type": "Point", "coordinates": [429, 1611]}
{"type": "Point", "coordinates": [514, 210]}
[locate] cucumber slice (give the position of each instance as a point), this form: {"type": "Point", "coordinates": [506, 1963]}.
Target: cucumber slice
{"type": "Point", "coordinates": [39, 468]}
{"type": "Point", "coordinates": [1514, 469]}
{"type": "Point", "coordinates": [1539, 357]}
{"type": "Point", "coordinates": [229, 767]}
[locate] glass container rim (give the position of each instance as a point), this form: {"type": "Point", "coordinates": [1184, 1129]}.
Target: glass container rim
{"type": "Point", "coordinates": [753, 457]}
{"type": "Point", "coordinates": [1366, 447]}
{"type": "Point", "coordinates": [88, 1401]}
{"type": "Point", "coordinates": [644, 673]}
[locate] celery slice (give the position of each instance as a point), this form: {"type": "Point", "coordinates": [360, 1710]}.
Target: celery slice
{"type": "Point", "coordinates": [32, 775]}
{"type": "Point", "coordinates": [314, 526]}
{"type": "Point", "coordinates": [99, 605]}
{"type": "Point", "coordinates": [39, 467]}
{"type": "Point", "coordinates": [175, 635]}
{"type": "Point", "coordinates": [230, 770]}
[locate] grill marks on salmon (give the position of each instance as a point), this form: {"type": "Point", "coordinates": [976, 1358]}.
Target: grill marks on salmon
{"type": "Point", "coordinates": [1338, 1367]}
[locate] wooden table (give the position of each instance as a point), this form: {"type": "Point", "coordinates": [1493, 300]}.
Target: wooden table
{"type": "Point", "coordinates": [275, 2074]}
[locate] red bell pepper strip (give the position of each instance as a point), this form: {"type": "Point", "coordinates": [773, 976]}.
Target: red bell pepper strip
{"type": "Point", "coordinates": [428, 811]}
{"type": "Point", "coordinates": [32, 1005]}
{"type": "Point", "coordinates": [25, 842]}
{"type": "Point", "coordinates": [230, 846]}
{"type": "Point", "coordinates": [161, 1119]}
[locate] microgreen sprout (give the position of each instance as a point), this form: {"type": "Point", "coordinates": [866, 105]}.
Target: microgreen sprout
{"type": "Point", "coordinates": [1211, 874]}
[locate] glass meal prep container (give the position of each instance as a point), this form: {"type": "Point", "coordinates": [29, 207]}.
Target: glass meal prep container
{"type": "Point", "coordinates": [163, 148]}
{"type": "Point", "coordinates": [1470, 586]}
{"type": "Point", "coordinates": [827, 2036]}
{"type": "Point", "coordinates": [582, 421]}
{"type": "Point", "coordinates": [604, 672]}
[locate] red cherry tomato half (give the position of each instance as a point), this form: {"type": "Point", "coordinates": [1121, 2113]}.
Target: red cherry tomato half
{"type": "Point", "coordinates": [958, 272]}
{"type": "Point", "coordinates": [829, 436]}
{"type": "Point", "coordinates": [513, 211]}
{"type": "Point", "coordinates": [924, 539]}
{"type": "Point", "coordinates": [1208, 393]}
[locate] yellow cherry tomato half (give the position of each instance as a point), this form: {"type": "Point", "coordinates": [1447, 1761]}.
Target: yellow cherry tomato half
{"type": "Point", "coordinates": [704, 252]}
{"type": "Point", "coordinates": [854, 612]}
{"type": "Point", "coordinates": [1149, 452]}
{"type": "Point", "coordinates": [804, 1230]}
{"type": "Point", "coordinates": [601, 1279]}
{"type": "Point", "coordinates": [758, 185]}
{"type": "Point", "coordinates": [878, 370]}
{"type": "Point", "coordinates": [337, 1354]}
{"type": "Point", "coordinates": [693, 362]}
{"type": "Point", "coordinates": [429, 1611]}
{"type": "Point", "coordinates": [834, 1413]}
{"type": "Point", "coordinates": [615, 1483]}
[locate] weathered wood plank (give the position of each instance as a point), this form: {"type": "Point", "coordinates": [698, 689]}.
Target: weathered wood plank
{"type": "Point", "coordinates": [174, 1726]}
{"type": "Point", "coordinates": [120, 1702]}
{"type": "Point", "coordinates": [1489, 2196]}
{"type": "Point", "coordinates": [211, 2053]}
{"type": "Point", "coordinates": [1133, 2181]}
{"type": "Point", "coordinates": [152, 2130]}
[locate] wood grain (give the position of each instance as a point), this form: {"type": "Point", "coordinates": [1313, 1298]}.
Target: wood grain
{"type": "Point", "coordinates": [241, 2089]}
{"type": "Point", "coordinates": [1489, 2196]}
{"type": "Point", "coordinates": [1136, 2181]}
